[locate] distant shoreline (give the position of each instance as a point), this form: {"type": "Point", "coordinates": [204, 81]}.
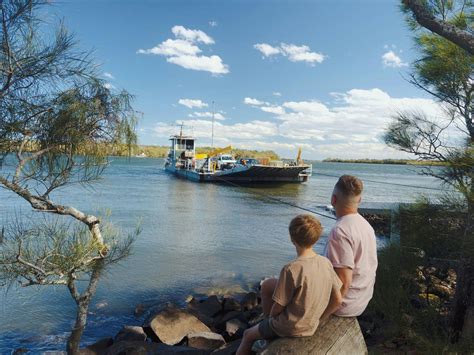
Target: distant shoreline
{"type": "Point", "coordinates": [155, 151]}
{"type": "Point", "coordinates": [384, 161]}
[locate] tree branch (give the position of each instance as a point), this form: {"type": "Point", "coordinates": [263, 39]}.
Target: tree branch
{"type": "Point", "coordinates": [452, 33]}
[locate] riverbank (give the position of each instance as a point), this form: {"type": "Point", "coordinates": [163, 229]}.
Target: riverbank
{"type": "Point", "coordinates": [384, 161]}
{"type": "Point", "coordinates": [155, 151]}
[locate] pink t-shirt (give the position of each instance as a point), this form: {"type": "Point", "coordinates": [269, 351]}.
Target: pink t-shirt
{"type": "Point", "coordinates": [352, 244]}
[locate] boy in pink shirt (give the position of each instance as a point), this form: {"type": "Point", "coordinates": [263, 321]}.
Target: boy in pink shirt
{"type": "Point", "coordinates": [352, 248]}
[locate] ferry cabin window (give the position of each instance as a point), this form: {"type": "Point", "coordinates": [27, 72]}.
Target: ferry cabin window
{"type": "Point", "coordinates": [183, 144]}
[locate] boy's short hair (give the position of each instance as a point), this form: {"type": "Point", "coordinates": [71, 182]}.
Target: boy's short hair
{"type": "Point", "coordinates": [349, 186]}
{"type": "Point", "coordinates": [305, 230]}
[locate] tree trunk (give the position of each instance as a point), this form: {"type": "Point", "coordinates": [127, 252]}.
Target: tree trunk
{"type": "Point", "coordinates": [74, 341]}
{"type": "Point", "coordinates": [83, 301]}
{"type": "Point", "coordinates": [462, 315]}
{"type": "Point", "coordinates": [462, 321]}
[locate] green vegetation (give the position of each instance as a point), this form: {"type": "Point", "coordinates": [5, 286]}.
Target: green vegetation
{"type": "Point", "coordinates": [385, 161]}
{"type": "Point", "coordinates": [58, 120]}
{"type": "Point", "coordinates": [444, 70]}
{"type": "Point", "coordinates": [416, 281]}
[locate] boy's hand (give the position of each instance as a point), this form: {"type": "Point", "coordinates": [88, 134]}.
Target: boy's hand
{"type": "Point", "coordinates": [334, 302]}
{"type": "Point", "coordinates": [276, 309]}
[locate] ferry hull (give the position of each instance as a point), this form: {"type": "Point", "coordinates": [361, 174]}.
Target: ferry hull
{"type": "Point", "coordinates": [255, 174]}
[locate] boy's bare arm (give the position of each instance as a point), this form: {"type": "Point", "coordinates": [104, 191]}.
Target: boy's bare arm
{"type": "Point", "coordinates": [345, 275]}
{"type": "Point", "coordinates": [276, 309]}
{"type": "Point", "coordinates": [334, 302]}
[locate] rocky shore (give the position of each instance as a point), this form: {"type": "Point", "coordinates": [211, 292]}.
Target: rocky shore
{"type": "Point", "coordinates": [212, 324]}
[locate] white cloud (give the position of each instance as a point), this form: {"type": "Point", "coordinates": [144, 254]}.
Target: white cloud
{"type": "Point", "coordinates": [191, 103]}
{"type": "Point", "coordinates": [350, 126]}
{"type": "Point", "coordinates": [238, 131]}
{"type": "Point", "coordinates": [173, 48]}
{"type": "Point", "coordinates": [292, 51]}
{"type": "Point", "coordinates": [217, 115]}
{"type": "Point", "coordinates": [301, 53]}
{"type": "Point", "coordinates": [254, 102]}
{"type": "Point", "coordinates": [109, 86]}
{"type": "Point", "coordinates": [276, 93]}
{"type": "Point", "coordinates": [191, 35]}
{"type": "Point", "coordinates": [391, 59]}
{"type": "Point", "coordinates": [266, 49]}
{"type": "Point", "coordinates": [109, 76]}
{"type": "Point", "coordinates": [183, 51]}
{"type": "Point", "coordinates": [213, 23]}
{"type": "Point", "coordinates": [211, 64]}
{"type": "Point", "coordinates": [277, 110]}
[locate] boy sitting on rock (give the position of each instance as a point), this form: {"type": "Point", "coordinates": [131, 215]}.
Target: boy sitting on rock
{"type": "Point", "coordinates": [307, 288]}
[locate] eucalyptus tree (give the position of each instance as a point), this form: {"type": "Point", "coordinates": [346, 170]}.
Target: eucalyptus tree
{"type": "Point", "coordinates": [445, 70]}
{"type": "Point", "coordinates": [58, 123]}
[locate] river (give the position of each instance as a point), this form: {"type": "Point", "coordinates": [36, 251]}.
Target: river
{"type": "Point", "coordinates": [193, 235]}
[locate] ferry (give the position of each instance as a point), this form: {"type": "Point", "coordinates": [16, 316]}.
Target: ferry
{"type": "Point", "coordinates": [219, 166]}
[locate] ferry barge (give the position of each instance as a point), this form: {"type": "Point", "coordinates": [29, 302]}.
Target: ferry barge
{"type": "Point", "coordinates": [217, 166]}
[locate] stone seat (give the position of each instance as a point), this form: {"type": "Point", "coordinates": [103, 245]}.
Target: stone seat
{"type": "Point", "coordinates": [336, 336]}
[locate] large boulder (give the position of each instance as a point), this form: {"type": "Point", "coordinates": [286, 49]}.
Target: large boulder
{"type": "Point", "coordinates": [146, 348]}
{"type": "Point", "coordinates": [228, 349]}
{"type": "Point", "coordinates": [208, 307]}
{"type": "Point", "coordinates": [249, 301]}
{"type": "Point", "coordinates": [235, 327]}
{"type": "Point", "coordinates": [231, 304]}
{"type": "Point", "coordinates": [131, 333]}
{"type": "Point", "coordinates": [98, 347]}
{"type": "Point", "coordinates": [172, 325]}
{"type": "Point", "coordinates": [205, 340]}
{"type": "Point", "coordinates": [339, 335]}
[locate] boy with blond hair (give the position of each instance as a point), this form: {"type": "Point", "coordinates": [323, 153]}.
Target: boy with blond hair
{"type": "Point", "coordinates": [307, 287]}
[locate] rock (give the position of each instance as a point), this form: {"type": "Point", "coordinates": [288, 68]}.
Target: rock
{"type": "Point", "coordinates": [208, 307]}
{"type": "Point", "coordinates": [146, 348]}
{"type": "Point", "coordinates": [228, 349]}
{"type": "Point", "coordinates": [235, 326]}
{"type": "Point", "coordinates": [220, 291]}
{"type": "Point", "coordinates": [451, 277]}
{"type": "Point", "coordinates": [172, 325]}
{"type": "Point", "coordinates": [336, 336]}
{"type": "Point", "coordinates": [139, 310]}
{"type": "Point", "coordinates": [249, 301]}
{"type": "Point", "coordinates": [430, 298]}
{"type": "Point", "coordinates": [231, 304]}
{"type": "Point", "coordinates": [221, 322]}
{"type": "Point", "coordinates": [131, 333]}
{"type": "Point", "coordinates": [442, 290]}
{"type": "Point", "coordinates": [100, 346]}
{"type": "Point", "coordinates": [20, 351]}
{"type": "Point", "coordinates": [205, 340]}
{"type": "Point", "coordinates": [418, 301]}
{"type": "Point", "coordinates": [189, 299]}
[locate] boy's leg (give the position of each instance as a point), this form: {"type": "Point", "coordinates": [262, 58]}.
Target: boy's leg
{"type": "Point", "coordinates": [267, 288]}
{"type": "Point", "coordinates": [250, 336]}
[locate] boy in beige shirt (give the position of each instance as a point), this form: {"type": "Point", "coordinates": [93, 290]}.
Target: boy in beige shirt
{"type": "Point", "coordinates": [307, 288]}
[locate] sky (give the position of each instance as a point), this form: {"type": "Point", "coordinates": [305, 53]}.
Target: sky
{"type": "Point", "coordinates": [326, 76]}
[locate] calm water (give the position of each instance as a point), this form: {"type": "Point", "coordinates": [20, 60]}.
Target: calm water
{"type": "Point", "coordinates": [194, 235]}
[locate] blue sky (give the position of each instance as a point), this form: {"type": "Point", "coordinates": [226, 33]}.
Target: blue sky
{"type": "Point", "coordinates": [323, 75]}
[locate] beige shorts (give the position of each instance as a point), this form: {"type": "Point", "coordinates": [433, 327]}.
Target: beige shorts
{"type": "Point", "coordinates": [265, 329]}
